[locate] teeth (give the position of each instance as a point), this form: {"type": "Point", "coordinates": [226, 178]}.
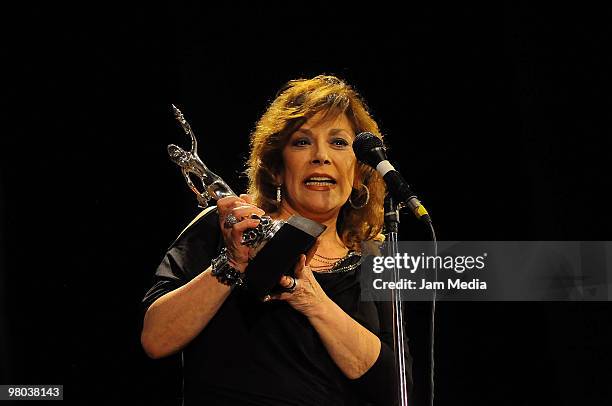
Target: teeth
{"type": "Point", "coordinates": [309, 183]}
{"type": "Point", "coordinates": [320, 179]}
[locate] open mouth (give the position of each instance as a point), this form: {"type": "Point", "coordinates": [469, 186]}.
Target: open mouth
{"type": "Point", "coordinates": [319, 181]}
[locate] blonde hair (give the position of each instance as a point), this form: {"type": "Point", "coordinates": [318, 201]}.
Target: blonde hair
{"type": "Point", "coordinates": [294, 104]}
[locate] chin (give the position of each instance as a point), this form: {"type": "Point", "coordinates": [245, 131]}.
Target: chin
{"type": "Point", "coordinates": [320, 209]}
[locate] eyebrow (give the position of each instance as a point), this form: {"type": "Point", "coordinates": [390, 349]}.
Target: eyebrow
{"type": "Point", "coordinates": [338, 130]}
{"type": "Point", "coordinates": [333, 131]}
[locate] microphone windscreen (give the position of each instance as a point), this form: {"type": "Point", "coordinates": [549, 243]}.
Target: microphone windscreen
{"type": "Point", "coordinates": [363, 146]}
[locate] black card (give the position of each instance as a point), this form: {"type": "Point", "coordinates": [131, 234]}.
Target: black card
{"type": "Point", "coordinates": [280, 254]}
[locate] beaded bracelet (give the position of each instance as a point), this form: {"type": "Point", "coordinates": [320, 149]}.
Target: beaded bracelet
{"type": "Point", "coordinates": [223, 271]}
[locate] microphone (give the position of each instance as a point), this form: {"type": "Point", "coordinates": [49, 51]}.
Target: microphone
{"type": "Point", "coordinates": [369, 150]}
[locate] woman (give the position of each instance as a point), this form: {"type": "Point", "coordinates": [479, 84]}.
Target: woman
{"type": "Point", "coordinates": [315, 343]}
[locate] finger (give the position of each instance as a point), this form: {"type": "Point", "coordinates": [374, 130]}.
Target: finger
{"type": "Point", "coordinates": [241, 226]}
{"type": "Point", "coordinates": [268, 298]}
{"type": "Point", "coordinates": [251, 252]}
{"type": "Point", "coordinates": [226, 203]}
{"type": "Point", "coordinates": [312, 251]}
{"type": "Point", "coordinates": [299, 268]}
{"type": "Point", "coordinates": [247, 198]}
{"type": "Point", "coordinates": [246, 211]}
{"type": "Point", "coordinates": [286, 281]}
{"type": "Point", "coordinates": [306, 272]}
{"type": "Point", "coordinates": [276, 296]}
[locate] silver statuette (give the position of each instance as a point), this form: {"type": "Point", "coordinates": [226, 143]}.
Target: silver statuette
{"type": "Point", "coordinates": [190, 163]}
{"type": "Point", "coordinates": [214, 187]}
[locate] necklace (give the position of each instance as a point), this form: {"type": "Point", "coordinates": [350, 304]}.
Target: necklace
{"type": "Point", "coordinates": [321, 267]}
{"type": "Point", "coordinates": [326, 262]}
{"type": "Point", "coordinates": [329, 261]}
{"type": "Point", "coordinates": [345, 268]}
{"type": "Point", "coordinates": [328, 258]}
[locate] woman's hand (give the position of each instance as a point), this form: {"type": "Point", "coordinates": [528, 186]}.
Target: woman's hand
{"type": "Point", "coordinates": [242, 209]}
{"type": "Point", "coordinates": [307, 296]}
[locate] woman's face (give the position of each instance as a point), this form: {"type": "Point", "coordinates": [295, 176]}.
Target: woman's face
{"type": "Point", "coordinates": [319, 166]}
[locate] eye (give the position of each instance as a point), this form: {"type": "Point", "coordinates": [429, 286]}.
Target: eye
{"type": "Point", "coordinates": [300, 142]}
{"type": "Point", "coordinates": [340, 142]}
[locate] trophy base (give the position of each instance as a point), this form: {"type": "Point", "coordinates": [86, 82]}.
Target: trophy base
{"type": "Point", "coordinates": [280, 254]}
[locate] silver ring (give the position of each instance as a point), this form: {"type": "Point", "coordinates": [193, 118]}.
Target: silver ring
{"type": "Point", "coordinates": [291, 288]}
{"type": "Point", "coordinates": [230, 220]}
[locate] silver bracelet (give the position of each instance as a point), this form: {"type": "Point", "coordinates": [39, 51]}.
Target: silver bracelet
{"type": "Point", "coordinates": [223, 271]}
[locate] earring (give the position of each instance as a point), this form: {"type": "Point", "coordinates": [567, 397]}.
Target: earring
{"type": "Point", "coordinates": [367, 199]}
{"type": "Point", "coordinates": [278, 194]}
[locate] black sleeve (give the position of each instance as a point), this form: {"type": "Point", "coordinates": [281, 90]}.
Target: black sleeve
{"type": "Point", "coordinates": [188, 256]}
{"type": "Point", "coordinates": [379, 384]}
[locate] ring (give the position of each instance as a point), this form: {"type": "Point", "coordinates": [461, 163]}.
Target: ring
{"type": "Point", "coordinates": [230, 220]}
{"type": "Point", "coordinates": [291, 288]}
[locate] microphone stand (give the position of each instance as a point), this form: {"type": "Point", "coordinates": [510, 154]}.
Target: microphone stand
{"type": "Point", "coordinates": [392, 226]}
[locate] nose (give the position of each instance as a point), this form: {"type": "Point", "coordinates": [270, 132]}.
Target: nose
{"type": "Point", "coordinates": [320, 155]}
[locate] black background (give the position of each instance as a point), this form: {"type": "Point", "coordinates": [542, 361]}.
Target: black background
{"type": "Point", "coordinates": [497, 114]}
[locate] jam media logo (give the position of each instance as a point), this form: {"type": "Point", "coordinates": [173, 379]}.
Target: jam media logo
{"type": "Point", "coordinates": [423, 284]}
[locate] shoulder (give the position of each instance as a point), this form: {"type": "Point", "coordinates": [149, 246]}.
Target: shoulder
{"type": "Point", "coordinates": [207, 222]}
{"type": "Point", "coordinates": [207, 215]}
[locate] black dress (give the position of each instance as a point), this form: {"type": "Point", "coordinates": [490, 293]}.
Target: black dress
{"type": "Point", "coordinates": [255, 353]}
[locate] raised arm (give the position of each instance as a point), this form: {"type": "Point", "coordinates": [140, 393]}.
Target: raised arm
{"type": "Point", "coordinates": [177, 317]}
